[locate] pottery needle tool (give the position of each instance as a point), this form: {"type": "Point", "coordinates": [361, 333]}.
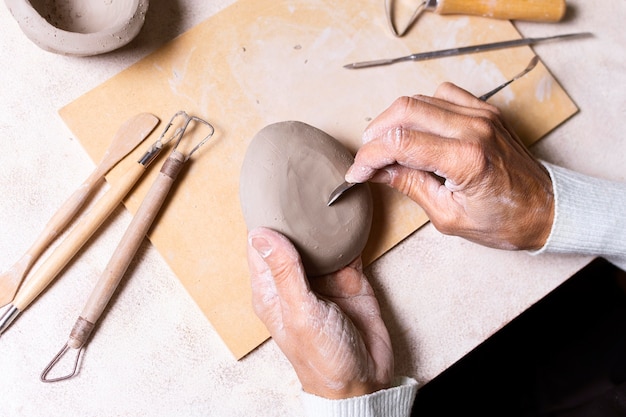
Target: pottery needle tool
{"type": "Point", "coordinates": [126, 250]}
{"type": "Point", "coordinates": [345, 186]}
{"type": "Point", "coordinates": [442, 53]}
{"type": "Point", "coordinates": [530, 10]}
{"type": "Point", "coordinates": [127, 138]}
{"type": "Point", "coordinates": [80, 234]}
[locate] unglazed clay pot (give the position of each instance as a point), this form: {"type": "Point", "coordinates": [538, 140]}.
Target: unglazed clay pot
{"type": "Point", "coordinates": [289, 170]}
{"type": "Point", "coordinates": [79, 27]}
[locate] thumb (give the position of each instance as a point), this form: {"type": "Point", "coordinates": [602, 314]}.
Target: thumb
{"type": "Point", "coordinates": [274, 260]}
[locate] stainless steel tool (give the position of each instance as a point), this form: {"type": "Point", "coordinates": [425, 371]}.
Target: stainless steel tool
{"type": "Point", "coordinates": [345, 186]}
{"type": "Point", "coordinates": [533, 62]}
{"type": "Point", "coordinates": [422, 56]}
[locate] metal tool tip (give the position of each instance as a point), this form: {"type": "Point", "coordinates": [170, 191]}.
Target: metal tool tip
{"type": "Point", "coordinates": [8, 317]}
{"type": "Point", "coordinates": [368, 64]}
{"type": "Point", "coordinates": [338, 192]}
{"type": "Point", "coordinates": [74, 370]}
{"type": "Point", "coordinates": [332, 199]}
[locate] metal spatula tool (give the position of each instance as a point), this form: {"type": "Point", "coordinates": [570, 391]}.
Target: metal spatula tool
{"type": "Point", "coordinates": [442, 53]}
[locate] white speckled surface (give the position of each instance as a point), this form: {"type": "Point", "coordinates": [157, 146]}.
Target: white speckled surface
{"type": "Point", "coordinates": [154, 353]}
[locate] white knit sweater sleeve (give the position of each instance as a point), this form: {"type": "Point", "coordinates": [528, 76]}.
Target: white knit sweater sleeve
{"type": "Point", "coordinates": [393, 402]}
{"type": "Point", "coordinates": [589, 217]}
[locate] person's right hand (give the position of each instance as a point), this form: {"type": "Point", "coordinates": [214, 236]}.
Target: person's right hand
{"type": "Point", "coordinates": [453, 154]}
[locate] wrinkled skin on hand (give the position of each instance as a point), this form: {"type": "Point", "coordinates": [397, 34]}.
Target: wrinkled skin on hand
{"type": "Point", "coordinates": [454, 155]}
{"type": "Point", "coordinates": [330, 328]}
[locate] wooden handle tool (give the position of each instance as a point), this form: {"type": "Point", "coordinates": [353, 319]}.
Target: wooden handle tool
{"type": "Point", "coordinates": [128, 246]}
{"type": "Point", "coordinates": [125, 252]}
{"type": "Point", "coordinates": [117, 266]}
{"type": "Point", "coordinates": [77, 237]}
{"type": "Point", "coordinates": [531, 10]}
{"type": "Point", "coordinates": [129, 135]}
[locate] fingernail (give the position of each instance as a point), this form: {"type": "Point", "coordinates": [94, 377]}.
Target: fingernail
{"type": "Point", "coordinates": [358, 174]}
{"type": "Point", "coordinates": [348, 176]}
{"type": "Point", "coordinates": [261, 245]}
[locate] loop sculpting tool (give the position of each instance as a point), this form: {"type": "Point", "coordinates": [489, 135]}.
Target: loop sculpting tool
{"type": "Point", "coordinates": [531, 10]}
{"type": "Point", "coordinates": [80, 234]}
{"type": "Point", "coordinates": [126, 249]}
{"type": "Point", "coordinates": [345, 186]}
{"type": "Point", "coordinates": [127, 138]}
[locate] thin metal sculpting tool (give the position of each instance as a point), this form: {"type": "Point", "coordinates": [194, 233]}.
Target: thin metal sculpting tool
{"type": "Point", "coordinates": [345, 186]}
{"type": "Point", "coordinates": [127, 138]}
{"type": "Point", "coordinates": [532, 64]}
{"type": "Point", "coordinates": [531, 10]}
{"type": "Point", "coordinates": [80, 234]}
{"type": "Point", "coordinates": [422, 56]}
{"type": "Point", "coordinates": [125, 251]}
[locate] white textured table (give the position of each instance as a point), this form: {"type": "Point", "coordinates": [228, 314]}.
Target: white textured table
{"type": "Point", "coordinates": [154, 353]}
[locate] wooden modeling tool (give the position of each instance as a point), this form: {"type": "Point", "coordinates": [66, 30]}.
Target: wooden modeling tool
{"type": "Point", "coordinates": [345, 186]}
{"type": "Point", "coordinates": [80, 234]}
{"type": "Point", "coordinates": [126, 250]}
{"type": "Point", "coordinates": [530, 10]}
{"type": "Point", "coordinates": [129, 135]}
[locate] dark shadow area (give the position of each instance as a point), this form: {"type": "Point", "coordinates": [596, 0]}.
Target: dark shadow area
{"type": "Point", "coordinates": [570, 14]}
{"type": "Point", "coordinates": [565, 356]}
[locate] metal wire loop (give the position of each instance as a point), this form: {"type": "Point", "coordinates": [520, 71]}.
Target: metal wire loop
{"type": "Point", "coordinates": [55, 360]}
{"type": "Point", "coordinates": [181, 131]}
{"type": "Point", "coordinates": [389, 11]}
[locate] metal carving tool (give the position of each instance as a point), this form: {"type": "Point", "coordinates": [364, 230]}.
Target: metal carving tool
{"type": "Point", "coordinates": [127, 138]}
{"type": "Point", "coordinates": [531, 10]}
{"type": "Point", "coordinates": [422, 56]}
{"type": "Point", "coordinates": [80, 234]}
{"type": "Point", "coordinates": [532, 64]}
{"type": "Point", "coordinates": [345, 186]}
{"type": "Point", "coordinates": [126, 249]}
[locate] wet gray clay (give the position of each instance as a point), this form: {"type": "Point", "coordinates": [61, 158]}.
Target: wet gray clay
{"type": "Point", "coordinates": [79, 27]}
{"type": "Point", "coordinates": [289, 170]}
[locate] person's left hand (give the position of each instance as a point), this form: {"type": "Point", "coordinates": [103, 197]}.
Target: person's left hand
{"type": "Point", "coordinates": [330, 329]}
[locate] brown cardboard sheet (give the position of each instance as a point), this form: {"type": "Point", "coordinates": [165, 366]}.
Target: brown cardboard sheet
{"type": "Point", "coordinates": [263, 61]}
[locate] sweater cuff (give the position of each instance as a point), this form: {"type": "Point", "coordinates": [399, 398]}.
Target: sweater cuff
{"type": "Point", "coordinates": [589, 216]}
{"type": "Point", "coordinates": [392, 402]}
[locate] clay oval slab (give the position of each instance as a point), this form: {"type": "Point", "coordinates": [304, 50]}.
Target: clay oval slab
{"type": "Point", "coordinates": [79, 27]}
{"type": "Point", "coordinates": [289, 170]}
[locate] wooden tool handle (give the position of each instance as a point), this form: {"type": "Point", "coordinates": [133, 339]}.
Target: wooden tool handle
{"type": "Point", "coordinates": [134, 235]}
{"type": "Point", "coordinates": [533, 10]}
{"type": "Point", "coordinates": [63, 215]}
{"type": "Point", "coordinates": [77, 237]}
{"type": "Point", "coordinates": [129, 135]}
{"type": "Point", "coordinates": [80, 333]}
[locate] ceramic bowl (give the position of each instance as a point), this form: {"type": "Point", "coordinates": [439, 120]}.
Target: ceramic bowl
{"type": "Point", "coordinates": [79, 27]}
